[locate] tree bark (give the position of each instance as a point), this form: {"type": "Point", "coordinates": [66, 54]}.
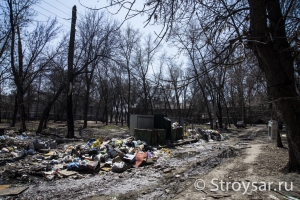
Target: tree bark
{"type": "Point", "coordinates": [19, 83]}
{"type": "Point", "coordinates": [12, 58]}
{"type": "Point", "coordinates": [86, 101]}
{"type": "Point", "coordinates": [293, 164]}
{"type": "Point", "coordinates": [14, 119]}
{"type": "Point", "coordinates": [271, 48]}
{"type": "Point", "coordinates": [70, 117]}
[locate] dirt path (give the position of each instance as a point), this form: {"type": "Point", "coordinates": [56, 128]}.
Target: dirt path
{"type": "Point", "coordinates": [254, 174]}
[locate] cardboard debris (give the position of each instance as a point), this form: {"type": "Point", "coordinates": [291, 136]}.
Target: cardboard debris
{"type": "Point", "coordinates": [106, 169]}
{"type": "Point", "coordinates": [2, 187]}
{"type": "Point", "coordinates": [12, 191]}
{"type": "Point", "coordinates": [51, 153]}
{"type": "Point", "coordinates": [67, 173]}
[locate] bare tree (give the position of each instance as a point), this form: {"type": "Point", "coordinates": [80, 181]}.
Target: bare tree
{"type": "Point", "coordinates": [97, 41]}
{"type": "Point", "coordinates": [143, 62]}
{"type": "Point", "coordinates": [29, 51]}
{"type": "Point", "coordinates": [129, 38]}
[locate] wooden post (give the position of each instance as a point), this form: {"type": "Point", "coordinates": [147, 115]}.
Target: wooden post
{"type": "Point", "coordinates": [70, 117]}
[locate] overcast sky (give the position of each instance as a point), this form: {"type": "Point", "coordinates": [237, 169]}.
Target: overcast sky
{"type": "Point", "coordinates": [62, 10]}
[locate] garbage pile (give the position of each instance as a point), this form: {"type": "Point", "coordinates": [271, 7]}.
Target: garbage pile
{"type": "Point", "coordinates": [116, 155]}
{"type": "Point", "coordinates": [207, 134]}
{"type": "Point", "coordinates": [43, 157]}
{"type": "Point", "coordinates": [23, 155]}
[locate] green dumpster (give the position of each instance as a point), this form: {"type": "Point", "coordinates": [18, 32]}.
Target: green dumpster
{"type": "Point", "coordinates": [161, 136]}
{"type": "Point", "coordinates": [173, 134]}
{"type": "Point", "coordinates": [179, 133]}
{"type": "Point", "coordinates": [2, 131]}
{"type": "Point", "coordinates": [143, 135]}
{"type": "Point", "coordinates": [154, 137]}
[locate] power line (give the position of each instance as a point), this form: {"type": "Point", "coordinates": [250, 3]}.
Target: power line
{"type": "Point", "coordinates": [77, 34]}
{"type": "Point", "coordinates": [48, 17]}
{"type": "Point", "coordinates": [56, 8]}
{"type": "Point", "coordinates": [54, 15]}
{"type": "Point", "coordinates": [51, 12]}
{"type": "Point", "coordinates": [68, 7]}
{"type": "Point", "coordinates": [70, 17]}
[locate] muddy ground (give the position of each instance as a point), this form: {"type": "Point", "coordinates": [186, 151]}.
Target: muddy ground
{"type": "Point", "coordinates": [246, 157]}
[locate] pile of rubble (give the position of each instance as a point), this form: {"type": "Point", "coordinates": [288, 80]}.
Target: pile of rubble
{"type": "Point", "coordinates": [208, 135]}
{"type": "Point", "coordinates": [23, 155]}
{"type": "Point", "coordinates": [27, 154]}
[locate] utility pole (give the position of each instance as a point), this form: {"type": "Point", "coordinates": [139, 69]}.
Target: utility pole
{"type": "Point", "coordinates": [0, 97]}
{"type": "Point", "coordinates": [70, 117]}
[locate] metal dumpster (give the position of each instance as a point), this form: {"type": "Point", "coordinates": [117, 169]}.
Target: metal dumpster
{"type": "Point", "coordinates": [179, 133]}
{"type": "Point", "coordinates": [143, 135]}
{"type": "Point", "coordinates": [161, 136]}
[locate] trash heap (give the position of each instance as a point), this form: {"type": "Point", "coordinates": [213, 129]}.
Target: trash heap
{"type": "Point", "coordinates": [208, 135]}
{"type": "Point", "coordinates": [116, 155]}
{"type": "Point", "coordinates": [26, 155]}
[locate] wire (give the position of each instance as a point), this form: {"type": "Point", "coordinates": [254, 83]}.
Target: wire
{"type": "Point", "coordinates": [51, 12]}
{"type": "Point", "coordinates": [48, 17]}
{"type": "Point", "coordinates": [56, 14]}
{"type": "Point", "coordinates": [56, 8]}
{"type": "Point", "coordinates": [68, 7]}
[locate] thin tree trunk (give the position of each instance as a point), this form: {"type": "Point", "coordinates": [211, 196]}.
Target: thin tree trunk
{"type": "Point", "coordinates": [48, 109]}
{"type": "Point", "coordinates": [86, 105]}
{"type": "Point", "coordinates": [129, 97]}
{"type": "Point", "coordinates": [106, 112]}
{"type": "Point", "coordinates": [0, 97]}
{"type": "Point", "coordinates": [220, 113]}
{"type": "Point", "coordinates": [12, 58]}
{"type": "Point", "coordinates": [13, 124]}
{"type": "Point", "coordinates": [38, 97]}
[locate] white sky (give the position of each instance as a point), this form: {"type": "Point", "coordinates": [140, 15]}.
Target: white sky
{"type": "Point", "coordinates": [62, 10]}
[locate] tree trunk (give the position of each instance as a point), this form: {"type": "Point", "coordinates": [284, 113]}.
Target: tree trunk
{"type": "Point", "coordinates": [111, 115]}
{"type": "Point", "coordinates": [12, 58]}
{"type": "Point", "coordinates": [0, 97]}
{"type": "Point", "coordinates": [70, 117]}
{"type": "Point", "coordinates": [38, 98]}
{"type": "Point", "coordinates": [86, 105]}
{"type": "Point", "coordinates": [46, 121]}
{"type": "Point", "coordinates": [278, 139]}
{"type": "Point", "coordinates": [13, 124]}
{"type": "Point", "coordinates": [276, 62]}
{"type": "Point", "coordinates": [129, 97]}
{"type": "Point", "coordinates": [220, 113]}
{"type": "Point", "coordinates": [293, 164]}
{"type": "Point", "coordinates": [122, 117]}
{"type": "Point", "coordinates": [22, 111]}
{"type": "Point", "coordinates": [117, 114]}
{"type": "Point", "coordinates": [19, 83]}
{"type": "Point", "coordinates": [48, 109]}
{"type": "Point", "coordinates": [106, 112]}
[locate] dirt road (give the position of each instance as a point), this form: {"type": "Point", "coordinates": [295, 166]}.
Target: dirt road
{"type": "Point", "coordinates": [254, 174]}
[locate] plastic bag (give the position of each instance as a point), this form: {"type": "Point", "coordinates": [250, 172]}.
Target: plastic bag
{"type": "Point", "coordinates": [118, 167]}
{"type": "Point", "coordinates": [73, 166]}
